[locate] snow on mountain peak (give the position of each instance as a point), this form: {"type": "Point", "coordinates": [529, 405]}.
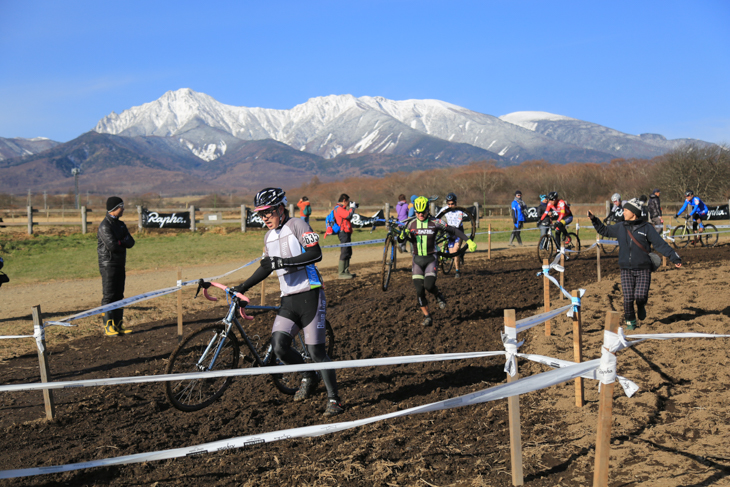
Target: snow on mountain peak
{"type": "Point", "coordinates": [529, 120]}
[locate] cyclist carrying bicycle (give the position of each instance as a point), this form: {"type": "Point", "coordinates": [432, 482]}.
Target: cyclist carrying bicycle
{"type": "Point", "coordinates": [617, 210]}
{"type": "Point", "coordinates": [453, 219]}
{"type": "Point", "coordinates": [565, 216]}
{"type": "Point", "coordinates": [291, 249]}
{"type": "Point", "coordinates": [699, 211]}
{"type": "Point", "coordinates": [422, 233]}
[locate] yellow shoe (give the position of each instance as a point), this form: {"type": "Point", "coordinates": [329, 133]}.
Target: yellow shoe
{"type": "Point", "coordinates": [110, 329]}
{"type": "Point", "coordinates": [123, 331]}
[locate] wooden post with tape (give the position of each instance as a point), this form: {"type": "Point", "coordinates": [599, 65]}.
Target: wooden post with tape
{"type": "Point", "coordinates": [546, 294]}
{"type": "Point", "coordinates": [598, 257]}
{"type": "Point", "coordinates": [513, 407]}
{"type": "Point", "coordinates": [43, 361]}
{"type": "Point", "coordinates": [664, 257]}
{"type": "Point", "coordinates": [605, 410]}
{"type": "Point", "coordinates": [578, 352]}
{"type": "Point", "coordinates": [179, 305]}
{"type": "Point", "coordinates": [562, 274]}
{"type": "Point", "coordinates": [489, 241]}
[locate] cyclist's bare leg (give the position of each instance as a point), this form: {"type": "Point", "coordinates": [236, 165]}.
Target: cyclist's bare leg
{"type": "Point", "coordinates": [454, 249]}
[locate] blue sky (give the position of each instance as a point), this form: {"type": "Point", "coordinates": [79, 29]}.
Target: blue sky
{"type": "Point", "coordinates": [647, 66]}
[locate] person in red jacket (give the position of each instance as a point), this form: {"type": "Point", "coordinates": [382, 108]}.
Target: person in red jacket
{"type": "Point", "coordinates": [343, 214]}
{"type": "Point", "coordinates": [305, 209]}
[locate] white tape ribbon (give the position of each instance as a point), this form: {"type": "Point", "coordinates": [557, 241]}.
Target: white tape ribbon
{"type": "Point", "coordinates": [509, 340]}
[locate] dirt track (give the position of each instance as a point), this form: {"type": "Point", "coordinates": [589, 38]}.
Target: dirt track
{"type": "Point", "coordinates": [672, 432]}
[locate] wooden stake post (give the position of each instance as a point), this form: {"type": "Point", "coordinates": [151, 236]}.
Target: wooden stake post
{"type": "Point", "coordinates": [489, 242]}
{"type": "Point", "coordinates": [605, 410]}
{"type": "Point", "coordinates": [664, 257]}
{"type": "Point", "coordinates": [578, 353]}
{"type": "Point", "coordinates": [513, 406]}
{"type": "Point", "coordinates": [546, 287]}
{"type": "Point", "coordinates": [562, 274]}
{"type": "Point", "coordinates": [598, 257]}
{"type": "Point", "coordinates": [43, 362]}
{"type": "Point", "coordinates": [179, 305]}
{"type": "Point", "coordinates": [263, 292]}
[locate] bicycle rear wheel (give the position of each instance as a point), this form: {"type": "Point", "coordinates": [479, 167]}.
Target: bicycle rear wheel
{"type": "Point", "coordinates": [573, 245]}
{"type": "Point", "coordinates": [681, 237]}
{"type": "Point", "coordinates": [289, 383]}
{"type": "Point", "coordinates": [709, 236]}
{"type": "Point", "coordinates": [545, 248]}
{"type": "Point", "coordinates": [389, 260]}
{"type": "Point", "coordinates": [195, 354]}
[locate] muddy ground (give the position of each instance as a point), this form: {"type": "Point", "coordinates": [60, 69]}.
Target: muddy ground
{"type": "Point", "coordinates": [673, 432]}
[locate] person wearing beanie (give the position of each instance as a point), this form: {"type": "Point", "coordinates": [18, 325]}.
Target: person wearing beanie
{"type": "Point", "coordinates": [113, 240]}
{"type": "Point", "coordinates": [517, 210]}
{"type": "Point", "coordinates": [633, 260]}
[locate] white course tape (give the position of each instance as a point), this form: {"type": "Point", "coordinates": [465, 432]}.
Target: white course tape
{"type": "Point", "coordinates": [279, 369]}
{"type": "Point", "coordinates": [509, 339]}
{"type": "Point", "coordinates": [529, 322]}
{"type": "Point", "coordinates": [521, 386]}
{"type": "Point", "coordinates": [354, 244]}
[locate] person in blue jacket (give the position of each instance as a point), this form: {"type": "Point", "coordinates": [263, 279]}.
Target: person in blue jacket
{"type": "Point", "coordinates": [411, 207]}
{"type": "Point", "coordinates": [698, 213]}
{"type": "Point", "coordinates": [518, 217]}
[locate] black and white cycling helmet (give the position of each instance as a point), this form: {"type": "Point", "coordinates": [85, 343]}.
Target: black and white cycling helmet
{"type": "Point", "coordinates": [689, 192]}
{"type": "Point", "coordinates": [552, 196]}
{"type": "Point", "coordinates": [616, 197]}
{"type": "Point", "coordinates": [269, 197]}
{"type": "Point", "coordinates": [451, 197]}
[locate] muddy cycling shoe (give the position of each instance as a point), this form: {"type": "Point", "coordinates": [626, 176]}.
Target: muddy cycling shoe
{"type": "Point", "coordinates": [631, 325]}
{"type": "Point", "coordinates": [427, 321]}
{"type": "Point", "coordinates": [307, 388]}
{"type": "Point", "coordinates": [457, 274]}
{"type": "Point", "coordinates": [334, 407]}
{"type": "Point", "coordinates": [641, 312]}
{"type": "Point", "coordinates": [441, 301]}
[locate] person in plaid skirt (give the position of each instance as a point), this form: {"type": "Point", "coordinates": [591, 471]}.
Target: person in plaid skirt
{"type": "Point", "coordinates": [634, 262]}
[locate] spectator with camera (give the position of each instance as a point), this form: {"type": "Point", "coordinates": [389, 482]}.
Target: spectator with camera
{"type": "Point", "coordinates": [343, 215]}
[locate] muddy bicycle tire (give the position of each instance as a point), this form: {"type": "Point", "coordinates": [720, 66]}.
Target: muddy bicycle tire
{"type": "Point", "coordinates": [681, 237]}
{"type": "Point", "coordinates": [390, 257]}
{"type": "Point", "coordinates": [546, 248]}
{"type": "Point", "coordinates": [195, 394]}
{"type": "Point", "coordinates": [289, 383]}
{"type": "Point", "coordinates": [446, 265]}
{"type": "Point", "coordinates": [573, 245]}
{"type": "Point", "coordinates": [709, 236]}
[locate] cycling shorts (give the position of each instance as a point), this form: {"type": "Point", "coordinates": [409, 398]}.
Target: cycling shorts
{"type": "Point", "coordinates": [303, 311]}
{"type": "Point", "coordinates": [424, 266]}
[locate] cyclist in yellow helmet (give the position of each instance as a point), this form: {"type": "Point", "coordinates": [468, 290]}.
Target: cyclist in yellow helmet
{"type": "Point", "coordinates": [422, 233]}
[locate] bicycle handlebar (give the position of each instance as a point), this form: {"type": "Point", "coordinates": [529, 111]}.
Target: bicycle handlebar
{"type": "Point", "coordinates": [229, 291]}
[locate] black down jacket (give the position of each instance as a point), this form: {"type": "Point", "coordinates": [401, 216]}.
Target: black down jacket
{"type": "Point", "coordinates": [113, 240]}
{"type": "Point", "coordinates": [630, 256]}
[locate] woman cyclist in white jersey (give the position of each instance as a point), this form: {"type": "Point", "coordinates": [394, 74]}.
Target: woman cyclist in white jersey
{"type": "Point", "coordinates": [292, 249]}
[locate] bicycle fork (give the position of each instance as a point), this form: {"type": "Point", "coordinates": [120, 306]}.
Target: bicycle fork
{"type": "Point", "coordinates": [221, 341]}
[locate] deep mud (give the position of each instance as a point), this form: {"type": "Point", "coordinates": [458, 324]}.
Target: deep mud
{"type": "Point", "coordinates": [674, 431]}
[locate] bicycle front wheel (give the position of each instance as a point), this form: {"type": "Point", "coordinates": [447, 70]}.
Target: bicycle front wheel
{"type": "Point", "coordinates": [446, 264]}
{"type": "Point", "coordinates": [709, 236]}
{"type": "Point", "coordinates": [545, 248]}
{"type": "Point", "coordinates": [389, 260]}
{"type": "Point", "coordinates": [681, 237]}
{"type": "Point", "coordinates": [204, 350]}
{"type": "Point", "coordinates": [289, 383]}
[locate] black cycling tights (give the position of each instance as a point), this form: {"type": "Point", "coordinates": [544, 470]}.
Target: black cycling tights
{"type": "Point", "coordinates": [560, 231]}
{"type": "Point", "coordinates": [428, 283]}
{"type": "Point", "coordinates": [281, 343]}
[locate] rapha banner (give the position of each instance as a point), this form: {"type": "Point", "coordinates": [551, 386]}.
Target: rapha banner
{"type": "Point", "coordinates": [153, 219]}
{"type": "Point", "coordinates": [253, 219]}
{"type": "Point", "coordinates": [532, 214]}
{"type": "Point", "coordinates": [361, 221]}
{"type": "Point", "coordinates": [718, 213]}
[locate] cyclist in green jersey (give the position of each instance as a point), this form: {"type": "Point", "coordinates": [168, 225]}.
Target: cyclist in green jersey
{"type": "Point", "coordinates": [422, 233]}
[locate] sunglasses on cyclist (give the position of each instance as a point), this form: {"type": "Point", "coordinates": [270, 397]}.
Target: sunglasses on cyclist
{"type": "Point", "coordinates": [267, 212]}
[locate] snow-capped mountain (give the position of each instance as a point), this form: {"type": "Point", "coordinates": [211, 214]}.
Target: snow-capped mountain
{"type": "Point", "coordinates": [20, 147]}
{"type": "Point", "coordinates": [593, 136]}
{"type": "Point", "coordinates": [336, 125]}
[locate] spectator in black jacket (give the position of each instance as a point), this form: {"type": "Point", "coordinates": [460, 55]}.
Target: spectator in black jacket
{"type": "Point", "coordinates": [113, 240]}
{"type": "Point", "coordinates": [635, 263]}
{"type": "Point", "coordinates": [655, 210]}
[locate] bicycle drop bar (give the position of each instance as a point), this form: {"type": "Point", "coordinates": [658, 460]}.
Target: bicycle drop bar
{"type": "Point", "coordinates": [205, 285]}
